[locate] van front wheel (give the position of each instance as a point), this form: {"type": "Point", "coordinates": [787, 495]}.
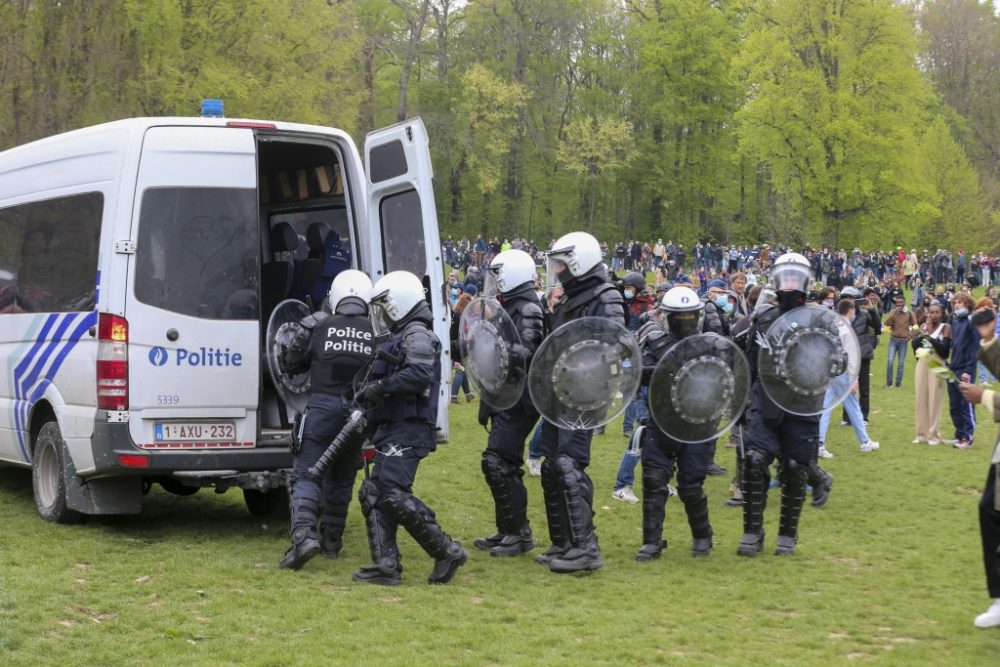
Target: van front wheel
{"type": "Point", "coordinates": [48, 479]}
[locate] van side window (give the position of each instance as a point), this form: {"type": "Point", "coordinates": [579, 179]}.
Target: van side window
{"type": "Point", "coordinates": [403, 233]}
{"type": "Point", "coordinates": [197, 252]}
{"type": "Point", "coordinates": [48, 258]}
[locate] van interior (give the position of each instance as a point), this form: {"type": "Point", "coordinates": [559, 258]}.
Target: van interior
{"type": "Point", "coordinates": [306, 240]}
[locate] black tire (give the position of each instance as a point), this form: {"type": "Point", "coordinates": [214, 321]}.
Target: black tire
{"type": "Point", "coordinates": [271, 504]}
{"type": "Point", "coordinates": [177, 488]}
{"type": "Point", "coordinates": [48, 476]}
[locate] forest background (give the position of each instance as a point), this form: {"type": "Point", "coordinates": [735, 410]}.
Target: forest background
{"type": "Point", "coordinates": [831, 122]}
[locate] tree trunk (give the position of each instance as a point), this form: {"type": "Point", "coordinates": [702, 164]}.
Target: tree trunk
{"type": "Point", "coordinates": [412, 49]}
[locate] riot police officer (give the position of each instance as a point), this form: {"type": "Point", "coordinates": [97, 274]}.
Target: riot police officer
{"type": "Point", "coordinates": [511, 278]}
{"type": "Point", "coordinates": [680, 314]}
{"type": "Point", "coordinates": [574, 263]}
{"type": "Point", "coordinates": [402, 396]}
{"type": "Point", "coordinates": [334, 348]}
{"type": "Point", "coordinates": [773, 432]}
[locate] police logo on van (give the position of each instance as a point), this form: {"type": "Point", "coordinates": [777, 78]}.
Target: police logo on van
{"type": "Point", "coordinates": [203, 356]}
{"type": "Point", "coordinates": [158, 356]}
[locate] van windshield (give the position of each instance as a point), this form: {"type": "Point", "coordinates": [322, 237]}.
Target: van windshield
{"type": "Point", "coordinates": [197, 252]}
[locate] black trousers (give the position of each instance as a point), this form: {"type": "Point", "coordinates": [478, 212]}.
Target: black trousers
{"type": "Point", "coordinates": [989, 527]}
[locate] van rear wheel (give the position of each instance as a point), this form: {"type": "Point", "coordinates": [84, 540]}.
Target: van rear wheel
{"type": "Point", "coordinates": [271, 504]}
{"type": "Point", "coordinates": [48, 477]}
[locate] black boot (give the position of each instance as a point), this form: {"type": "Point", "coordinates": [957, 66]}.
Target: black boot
{"type": "Point", "coordinates": [696, 507]}
{"type": "Point", "coordinates": [386, 568]}
{"type": "Point", "coordinates": [583, 553]}
{"type": "Point", "coordinates": [793, 495]}
{"type": "Point", "coordinates": [514, 545]}
{"type": "Point", "coordinates": [330, 543]}
{"type": "Point", "coordinates": [756, 479]}
{"type": "Point", "coordinates": [305, 546]}
{"type": "Point", "coordinates": [420, 522]}
{"type": "Point", "coordinates": [488, 543]}
{"type": "Point", "coordinates": [554, 512]}
{"type": "Point", "coordinates": [654, 502]}
{"type": "Point", "coordinates": [822, 482]}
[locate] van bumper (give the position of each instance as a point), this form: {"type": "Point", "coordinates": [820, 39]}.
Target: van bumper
{"type": "Point", "coordinates": [112, 440]}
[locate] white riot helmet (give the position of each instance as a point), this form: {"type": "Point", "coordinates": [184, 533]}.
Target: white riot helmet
{"type": "Point", "coordinates": [579, 251]}
{"type": "Point", "coordinates": [791, 272]}
{"type": "Point", "coordinates": [349, 284]}
{"type": "Point", "coordinates": [681, 312]}
{"type": "Point", "coordinates": [790, 276]}
{"type": "Point", "coordinates": [508, 270]}
{"type": "Point", "coordinates": [393, 297]}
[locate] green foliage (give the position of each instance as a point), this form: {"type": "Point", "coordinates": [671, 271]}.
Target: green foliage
{"type": "Point", "coordinates": [730, 120]}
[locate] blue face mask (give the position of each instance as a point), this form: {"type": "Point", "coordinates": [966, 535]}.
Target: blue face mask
{"type": "Point", "coordinates": [961, 312]}
{"type": "Point", "coordinates": [629, 293]}
{"type": "Point", "coordinates": [722, 301]}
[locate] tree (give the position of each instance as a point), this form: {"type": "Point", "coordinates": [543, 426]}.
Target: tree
{"type": "Point", "coordinates": [835, 104]}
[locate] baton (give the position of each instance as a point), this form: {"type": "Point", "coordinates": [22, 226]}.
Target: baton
{"type": "Point", "coordinates": [355, 424]}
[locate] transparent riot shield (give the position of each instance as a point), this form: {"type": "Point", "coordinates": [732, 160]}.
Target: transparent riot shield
{"type": "Point", "coordinates": [494, 359]}
{"type": "Point", "coordinates": [808, 360]}
{"type": "Point", "coordinates": [585, 373]}
{"type": "Point", "coordinates": [699, 388]}
{"type": "Point", "coordinates": [281, 328]}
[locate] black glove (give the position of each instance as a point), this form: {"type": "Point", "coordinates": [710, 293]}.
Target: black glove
{"type": "Point", "coordinates": [371, 393]}
{"type": "Point", "coordinates": [519, 353]}
{"type": "Point", "coordinates": [300, 340]}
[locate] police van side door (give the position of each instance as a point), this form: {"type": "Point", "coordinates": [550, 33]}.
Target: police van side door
{"type": "Point", "coordinates": [401, 212]}
{"type": "Point", "coordinates": [192, 302]}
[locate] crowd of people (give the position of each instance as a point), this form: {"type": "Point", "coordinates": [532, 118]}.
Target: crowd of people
{"type": "Point", "coordinates": [398, 355]}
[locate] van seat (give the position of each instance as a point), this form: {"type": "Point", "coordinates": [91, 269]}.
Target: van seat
{"type": "Point", "coordinates": [310, 270]}
{"type": "Point", "coordinates": [276, 276]}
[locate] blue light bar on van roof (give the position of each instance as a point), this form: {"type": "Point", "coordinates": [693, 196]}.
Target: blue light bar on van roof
{"type": "Point", "coordinates": [211, 109]}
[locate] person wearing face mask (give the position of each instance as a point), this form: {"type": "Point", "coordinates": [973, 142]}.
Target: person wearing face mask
{"type": "Point", "coordinates": [827, 297]}
{"type": "Point", "coordinates": [717, 309]}
{"type": "Point", "coordinates": [964, 347]}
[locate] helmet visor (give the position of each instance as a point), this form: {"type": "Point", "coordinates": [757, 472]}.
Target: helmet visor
{"type": "Point", "coordinates": [684, 324]}
{"type": "Point", "coordinates": [491, 286]}
{"type": "Point", "coordinates": [790, 277]}
{"type": "Point", "coordinates": [381, 322]}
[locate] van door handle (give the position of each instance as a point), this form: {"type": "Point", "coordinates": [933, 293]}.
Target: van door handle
{"type": "Point", "coordinates": [92, 331]}
{"type": "Point", "coordinates": [172, 335]}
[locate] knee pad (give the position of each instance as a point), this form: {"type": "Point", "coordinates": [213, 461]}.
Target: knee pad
{"type": "Point", "coordinates": [755, 464]}
{"type": "Point", "coordinates": [655, 479]}
{"type": "Point", "coordinates": [405, 508]}
{"type": "Point", "coordinates": [793, 472]}
{"type": "Point", "coordinates": [368, 495]}
{"type": "Point", "coordinates": [495, 469]}
{"type": "Point", "coordinates": [690, 494]}
{"type": "Point", "coordinates": [568, 472]}
{"type": "Point", "coordinates": [550, 474]}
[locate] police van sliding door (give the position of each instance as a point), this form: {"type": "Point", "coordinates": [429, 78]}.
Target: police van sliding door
{"type": "Point", "coordinates": [192, 302]}
{"type": "Point", "coordinates": [401, 205]}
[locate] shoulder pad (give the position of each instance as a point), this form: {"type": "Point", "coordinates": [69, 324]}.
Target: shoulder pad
{"type": "Point", "coordinates": [310, 322]}
{"type": "Point", "coordinates": [649, 329]}
{"type": "Point", "coordinates": [608, 293]}
{"type": "Point", "coordinates": [420, 345]}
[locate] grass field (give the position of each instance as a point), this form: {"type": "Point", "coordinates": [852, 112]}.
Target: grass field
{"type": "Point", "coordinates": [889, 572]}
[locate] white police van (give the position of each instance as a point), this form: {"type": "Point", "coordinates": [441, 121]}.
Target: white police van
{"type": "Point", "coordinates": [139, 263]}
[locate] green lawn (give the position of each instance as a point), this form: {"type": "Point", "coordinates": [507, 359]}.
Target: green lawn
{"type": "Point", "coordinates": [889, 572]}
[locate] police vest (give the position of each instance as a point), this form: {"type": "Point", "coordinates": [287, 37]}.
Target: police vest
{"type": "Point", "coordinates": [340, 346]}
{"type": "Point", "coordinates": [401, 407]}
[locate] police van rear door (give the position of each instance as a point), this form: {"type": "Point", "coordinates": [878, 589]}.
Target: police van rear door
{"type": "Point", "coordinates": [192, 297]}
{"type": "Point", "coordinates": [402, 214]}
